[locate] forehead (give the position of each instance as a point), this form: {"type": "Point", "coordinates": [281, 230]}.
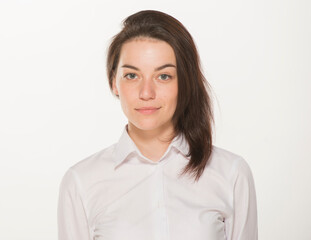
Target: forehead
{"type": "Point", "coordinates": [143, 50]}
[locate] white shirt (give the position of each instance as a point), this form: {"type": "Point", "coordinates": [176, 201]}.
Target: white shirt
{"type": "Point", "coordinates": [118, 194]}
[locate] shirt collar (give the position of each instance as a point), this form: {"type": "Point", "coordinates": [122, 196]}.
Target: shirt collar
{"type": "Point", "coordinates": [125, 146]}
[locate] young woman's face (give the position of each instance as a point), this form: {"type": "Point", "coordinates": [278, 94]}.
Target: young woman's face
{"type": "Point", "coordinates": [146, 77]}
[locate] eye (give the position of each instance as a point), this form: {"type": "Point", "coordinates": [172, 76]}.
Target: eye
{"type": "Point", "coordinates": [164, 77]}
{"type": "Point", "coordinates": [130, 76]}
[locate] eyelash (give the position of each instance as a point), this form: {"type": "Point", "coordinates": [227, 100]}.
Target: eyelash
{"type": "Point", "coordinates": [166, 75]}
{"type": "Point", "coordinates": [126, 75]}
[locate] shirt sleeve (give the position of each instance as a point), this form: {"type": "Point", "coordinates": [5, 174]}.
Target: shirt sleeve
{"type": "Point", "coordinates": [71, 214]}
{"type": "Point", "coordinates": [245, 205]}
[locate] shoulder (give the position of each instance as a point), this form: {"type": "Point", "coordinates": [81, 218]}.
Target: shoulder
{"type": "Point", "coordinates": [102, 158]}
{"type": "Point", "coordinates": [228, 164]}
{"type": "Point", "coordinates": [91, 169]}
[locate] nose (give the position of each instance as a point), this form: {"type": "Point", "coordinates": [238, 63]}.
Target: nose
{"type": "Point", "coordinates": [147, 89]}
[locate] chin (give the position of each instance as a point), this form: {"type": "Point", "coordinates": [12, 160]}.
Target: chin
{"type": "Point", "coordinates": [150, 124]}
{"type": "Point", "coordinates": [146, 125]}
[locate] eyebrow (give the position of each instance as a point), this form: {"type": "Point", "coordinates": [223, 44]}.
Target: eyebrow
{"type": "Point", "coordinates": [156, 69]}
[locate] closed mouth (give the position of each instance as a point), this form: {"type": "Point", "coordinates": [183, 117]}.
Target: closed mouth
{"type": "Point", "coordinates": [147, 108]}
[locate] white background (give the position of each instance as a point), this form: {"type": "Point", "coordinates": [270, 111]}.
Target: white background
{"type": "Point", "coordinates": [56, 107]}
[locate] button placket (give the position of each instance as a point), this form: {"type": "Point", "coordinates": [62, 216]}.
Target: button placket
{"type": "Point", "coordinates": [161, 204]}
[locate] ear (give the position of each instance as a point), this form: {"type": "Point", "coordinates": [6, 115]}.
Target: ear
{"type": "Point", "coordinates": [114, 86]}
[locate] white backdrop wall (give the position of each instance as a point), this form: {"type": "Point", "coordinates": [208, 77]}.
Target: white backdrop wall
{"type": "Point", "coordinates": [56, 107]}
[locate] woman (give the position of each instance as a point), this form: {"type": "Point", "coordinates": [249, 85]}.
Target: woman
{"type": "Point", "coordinates": [163, 179]}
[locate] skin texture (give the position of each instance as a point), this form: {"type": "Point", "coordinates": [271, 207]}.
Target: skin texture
{"type": "Point", "coordinates": [140, 83]}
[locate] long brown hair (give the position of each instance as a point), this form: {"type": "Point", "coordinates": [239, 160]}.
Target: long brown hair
{"type": "Point", "coordinates": [194, 114]}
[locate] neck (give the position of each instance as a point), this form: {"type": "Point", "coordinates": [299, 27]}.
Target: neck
{"type": "Point", "coordinates": [151, 143]}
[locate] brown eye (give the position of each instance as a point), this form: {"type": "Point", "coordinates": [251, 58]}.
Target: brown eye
{"type": "Point", "coordinates": [130, 76]}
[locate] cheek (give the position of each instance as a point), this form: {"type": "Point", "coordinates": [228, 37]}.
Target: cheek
{"type": "Point", "coordinates": [174, 93]}
{"type": "Point", "coordinates": [127, 95]}
{"type": "Point", "coordinates": [170, 97]}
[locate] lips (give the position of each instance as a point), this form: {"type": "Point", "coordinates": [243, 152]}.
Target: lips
{"type": "Point", "coordinates": [147, 110]}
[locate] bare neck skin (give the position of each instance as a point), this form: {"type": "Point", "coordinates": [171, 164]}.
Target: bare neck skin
{"type": "Point", "coordinates": [153, 143]}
